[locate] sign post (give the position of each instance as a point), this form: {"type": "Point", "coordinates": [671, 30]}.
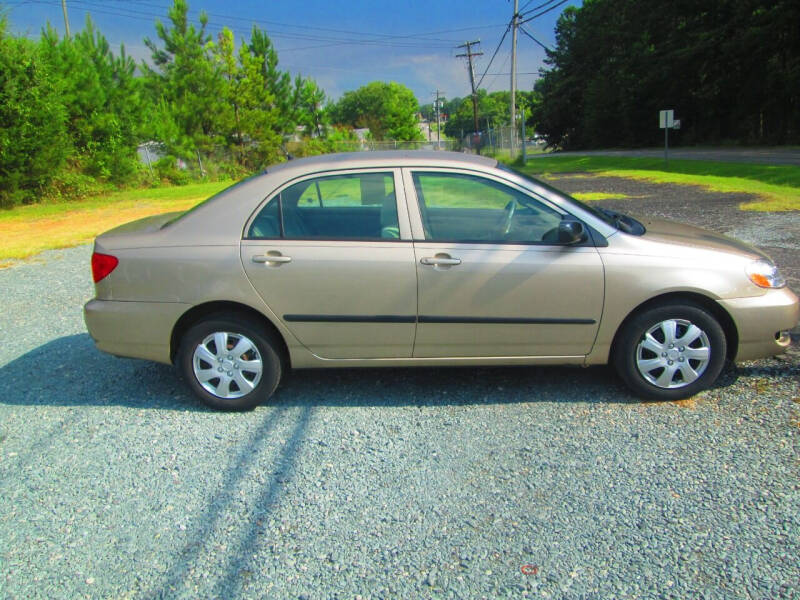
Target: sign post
{"type": "Point", "coordinates": [666, 121]}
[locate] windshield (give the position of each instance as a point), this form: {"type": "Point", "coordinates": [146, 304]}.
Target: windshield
{"type": "Point", "coordinates": [566, 197]}
{"type": "Point", "coordinates": [615, 219]}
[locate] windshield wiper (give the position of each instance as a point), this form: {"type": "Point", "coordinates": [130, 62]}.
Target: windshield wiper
{"type": "Point", "coordinates": [624, 222]}
{"type": "Point", "coordinates": [621, 222]}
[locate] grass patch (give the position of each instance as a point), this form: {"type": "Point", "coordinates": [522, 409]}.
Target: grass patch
{"type": "Point", "coordinates": [29, 230]}
{"type": "Point", "coordinates": [777, 186]}
{"type": "Point", "coordinates": [594, 196]}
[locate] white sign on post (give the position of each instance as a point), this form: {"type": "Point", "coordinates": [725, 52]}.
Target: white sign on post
{"type": "Point", "coordinates": [666, 119]}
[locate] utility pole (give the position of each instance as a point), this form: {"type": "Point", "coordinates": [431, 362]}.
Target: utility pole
{"type": "Point", "coordinates": [438, 126]}
{"type": "Point", "coordinates": [514, 26]}
{"type": "Point", "coordinates": [66, 19]}
{"type": "Point", "coordinates": [429, 126]}
{"type": "Point", "coordinates": [469, 54]}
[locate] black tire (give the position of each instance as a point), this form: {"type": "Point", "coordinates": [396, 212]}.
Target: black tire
{"type": "Point", "coordinates": [261, 347]}
{"type": "Point", "coordinates": [683, 358]}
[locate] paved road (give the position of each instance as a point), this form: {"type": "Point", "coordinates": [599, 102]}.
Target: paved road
{"type": "Point", "coordinates": [773, 156]}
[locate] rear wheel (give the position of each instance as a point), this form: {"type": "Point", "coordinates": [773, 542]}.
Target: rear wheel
{"type": "Point", "coordinates": [670, 352]}
{"type": "Point", "coordinates": [230, 362]}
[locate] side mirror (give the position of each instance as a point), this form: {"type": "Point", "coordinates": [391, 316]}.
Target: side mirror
{"type": "Point", "coordinates": [571, 232]}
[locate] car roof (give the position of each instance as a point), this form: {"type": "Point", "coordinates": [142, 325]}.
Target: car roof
{"type": "Point", "coordinates": [386, 158]}
{"type": "Point", "coordinates": [231, 208]}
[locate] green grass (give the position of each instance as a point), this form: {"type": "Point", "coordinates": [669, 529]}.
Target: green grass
{"type": "Point", "coordinates": [777, 186]}
{"type": "Point", "coordinates": [593, 196]}
{"type": "Point", "coordinates": [163, 196]}
{"type": "Point", "coordinates": [28, 230]}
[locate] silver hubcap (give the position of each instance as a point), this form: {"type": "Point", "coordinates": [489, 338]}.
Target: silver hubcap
{"type": "Point", "coordinates": [227, 365]}
{"type": "Point", "coordinates": [673, 353]}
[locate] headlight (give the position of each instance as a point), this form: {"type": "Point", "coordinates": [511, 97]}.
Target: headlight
{"type": "Point", "coordinates": [764, 274]}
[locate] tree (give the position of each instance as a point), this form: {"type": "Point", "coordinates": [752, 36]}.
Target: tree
{"type": "Point", "coordinates": [214, 96]}
{"type": "Point", "coordinates": [34, 143]}
{"type": "Point", "coordinates": [388, 110]}
{"type": "Point", "coordinates": [188, 81]}
{"type": "Point", "coordinates": [493, 110]}
{"type": "Point", "coordinates": [729, 68]}
{"type": "Point", "coordinates": [309, 108]}
{"type": "Point", "coordinates": [102, 99]}
{"type": "Point", "coordinates": [261, 116]}
{"type": "Point", "coordinates": [277, 82]}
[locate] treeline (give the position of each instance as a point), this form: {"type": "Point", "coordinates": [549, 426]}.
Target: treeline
{"type": "Point", "coordinates": [729, 68]}
{"type": "Point", "coordinates": [74, 112]}
{"type": "Point", "coordinates": [493, 111]}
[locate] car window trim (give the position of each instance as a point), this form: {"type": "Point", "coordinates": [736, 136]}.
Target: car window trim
{"type": "Point", "coordinates": [418, 228]}
{"type": "Point", "coordinates": [400, 206]}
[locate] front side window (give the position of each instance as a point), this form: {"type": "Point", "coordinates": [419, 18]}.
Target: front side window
{"type": "Point", "coordinates": [360, 206]}
{"type": "Point", "coordinates": [465, 208]}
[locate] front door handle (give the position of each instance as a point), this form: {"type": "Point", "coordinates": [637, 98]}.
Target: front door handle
{"type": "Point", "coordinates": [271, 258]}
{"type": "Point", "coordinates": [440, 260]}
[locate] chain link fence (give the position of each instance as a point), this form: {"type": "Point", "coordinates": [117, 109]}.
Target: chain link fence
{"type": "Point", "coordinates": [223, 161]}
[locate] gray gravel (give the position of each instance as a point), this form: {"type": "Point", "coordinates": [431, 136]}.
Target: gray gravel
{"type": "Point", "coordinates": [440, 483]}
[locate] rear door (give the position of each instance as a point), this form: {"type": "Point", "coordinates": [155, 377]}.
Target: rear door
{"type": "Point", "coordinates": [331, 255]}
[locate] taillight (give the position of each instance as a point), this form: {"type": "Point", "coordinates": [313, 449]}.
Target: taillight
{"type": "Point", "coordinates": [102, 265]}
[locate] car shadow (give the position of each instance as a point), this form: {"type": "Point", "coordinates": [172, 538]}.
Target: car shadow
{"type": "Point", "coordinates": [70, 371]}
{"type": "Point", "coordinates": [449, 386]}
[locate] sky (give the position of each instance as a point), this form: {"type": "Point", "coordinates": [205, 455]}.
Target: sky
{"type": "Point", "coordinates": [342, 45]}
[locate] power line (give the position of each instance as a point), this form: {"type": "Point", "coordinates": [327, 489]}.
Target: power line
{"type": "Point", "coordinates": [496, 75]}
{"type": "Point", "coordinates": [412, 40]}
{"type": "Point", "coordinates": [535, 8]}
{"type": "Point", "coordinates": [137, 14]}
{"type": "Point", "coordinates": [545, 11]}
{"type": "Point", "coordinates": [525, 31]}
{"type": "Point", "coordinates": [502, 39]}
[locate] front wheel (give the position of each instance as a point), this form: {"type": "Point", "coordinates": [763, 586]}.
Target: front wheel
{"type": "Point", "coordinates": [230, 362]}
{"type": "Point", "coordinates": [670, 352]}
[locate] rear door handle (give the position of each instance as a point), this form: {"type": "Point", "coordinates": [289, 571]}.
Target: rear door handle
{"type": "Point", "coordinates": [271, 258]}
{"type": "Point", "coordinates": [440, 261]}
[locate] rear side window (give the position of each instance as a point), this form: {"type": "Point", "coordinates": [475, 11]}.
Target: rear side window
{"type": "Point", "coordinates": [361, 206]}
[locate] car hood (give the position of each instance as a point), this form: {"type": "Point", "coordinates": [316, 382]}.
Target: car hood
{"type": "Point", "coordinates": [669, 232]}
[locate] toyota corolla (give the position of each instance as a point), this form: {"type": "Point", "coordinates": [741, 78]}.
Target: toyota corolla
{"type": "Point", "coordinates": [426, 258]}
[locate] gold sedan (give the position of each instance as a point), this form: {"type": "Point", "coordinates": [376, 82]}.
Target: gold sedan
{"type": "Point", "coordinates": [426, 258]}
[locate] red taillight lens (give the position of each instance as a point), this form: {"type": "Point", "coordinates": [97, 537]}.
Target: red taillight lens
{"type": "Point", "coordinates": [102, 265]}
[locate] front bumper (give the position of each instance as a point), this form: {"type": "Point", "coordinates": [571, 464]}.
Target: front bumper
{"type": "Point", "coordinates": [133, 329]}
{"type": "Point", "coordinates": [760, 321]}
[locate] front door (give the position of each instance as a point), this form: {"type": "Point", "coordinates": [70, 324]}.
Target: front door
{"type": "Point", "coordinates": [492, 279]}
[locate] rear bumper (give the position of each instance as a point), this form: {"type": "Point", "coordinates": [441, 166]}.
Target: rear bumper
{"type": "Point", "coordinates": [133, 329]}
{"type": "Point", "coordinates": [760, 320]}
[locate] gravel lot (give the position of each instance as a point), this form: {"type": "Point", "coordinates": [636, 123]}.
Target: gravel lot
{"type": "Point", "coordinates": [435, 483]}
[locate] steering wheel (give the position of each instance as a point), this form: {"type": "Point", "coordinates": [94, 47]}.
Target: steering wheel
{"type": "Point", "coordinates": [511, 208]}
